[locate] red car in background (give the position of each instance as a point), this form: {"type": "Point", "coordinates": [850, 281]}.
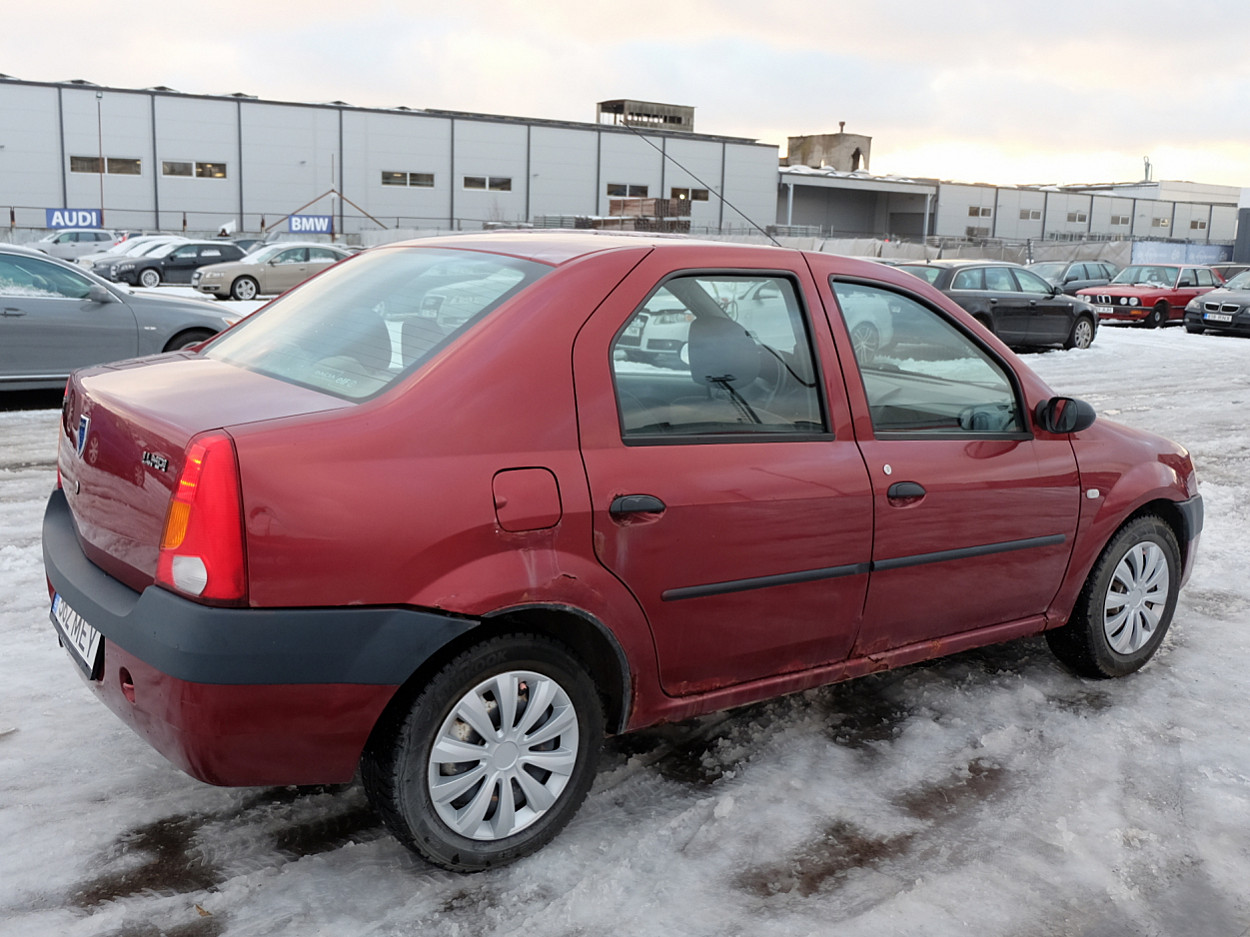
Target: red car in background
{"type": "Point", "coordinates": [1153, 294]}
{"type": "Point", "coordinates": [424, 518]}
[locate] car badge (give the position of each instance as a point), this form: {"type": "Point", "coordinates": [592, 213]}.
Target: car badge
{"type": "Point", "coordinates": [84, 422]}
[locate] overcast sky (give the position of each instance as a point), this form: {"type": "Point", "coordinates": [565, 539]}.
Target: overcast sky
{"type": "Point", "coordinates": [1000, 92]}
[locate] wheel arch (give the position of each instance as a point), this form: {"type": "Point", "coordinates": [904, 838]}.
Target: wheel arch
{"type": "Point", "coordinates": [589, 640]}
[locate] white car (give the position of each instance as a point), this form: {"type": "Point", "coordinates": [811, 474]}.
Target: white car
{"type": "Point", "coordinates": [72, 243]}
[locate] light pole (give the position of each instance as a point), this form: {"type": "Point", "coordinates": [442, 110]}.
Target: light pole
{"type": "Point", "coordinates": [99, 131]}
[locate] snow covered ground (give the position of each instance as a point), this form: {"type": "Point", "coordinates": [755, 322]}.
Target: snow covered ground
{"type": "Point", "coordinates": [989, 793]}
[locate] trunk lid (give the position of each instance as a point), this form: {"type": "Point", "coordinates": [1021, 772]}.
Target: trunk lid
{"type": "Point", "coordinates": [123, 439]}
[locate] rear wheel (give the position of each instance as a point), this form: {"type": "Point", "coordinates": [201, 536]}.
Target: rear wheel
{"type": "Point", "coordinates": [1125, 608]}
{"type": "Point", "coordinates": [1157, 316]}
{"type": "Point", "coordinates": [492, 758]}
{"type": "Point", "coordinates": [1082, 335]}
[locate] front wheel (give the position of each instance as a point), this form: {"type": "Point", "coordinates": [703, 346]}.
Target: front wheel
{"type": "Point", "coordinates": [1157, 316]}
{"type": "Point", "coordinates": [150, 278]}
{"type": "Point", "coordinates": [244, 288]}
{"type": "Point", "coordinates": [1125, 608]}
{"type": "Point", "coordinates": [865, 342]}
{"type": "Point", "coordinates": [492, 758]}
{"type": "Point", "coordinates": [1082, 335]}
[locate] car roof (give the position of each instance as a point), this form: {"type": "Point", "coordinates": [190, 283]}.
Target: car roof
{"type": "Point", "coordinates": [555, 246]}
{"type": "Point", "coordinates": [953, 263]}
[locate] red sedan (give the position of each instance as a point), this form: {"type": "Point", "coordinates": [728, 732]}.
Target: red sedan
{"type": "Point", "coordinates": [426, 519]}
{"type": "Point", "coordinates": [1153, 294]}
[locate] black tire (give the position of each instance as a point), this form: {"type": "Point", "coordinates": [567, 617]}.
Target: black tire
{"type": "Point", "coordinates": [1082, 334]}
{"type": "Point", "coordinates": [150, 277]}
{"type": "Point", "coordinates": [401, 765]}
{"type": "Point", "coordinates": [188, 338]}
{"type": "Point", "coordinates": [244, 288]}
{"type": "Point", "coordinates": [1157, 316]}
{"type": "Point", "coordinates": [1138, 574]}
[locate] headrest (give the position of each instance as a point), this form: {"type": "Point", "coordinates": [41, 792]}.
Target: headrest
{"type": "Point", "coordinates": [722, 349]}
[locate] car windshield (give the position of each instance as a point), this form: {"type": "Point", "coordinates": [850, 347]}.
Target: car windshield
{"type": "Point", "coordinates": [1239, 282]}
{"type": "Point", "coordinates": [1048, 270]}
{"type": "Point", "coordinates": [1149, 275]}
{"type": "Point", "coordinates": [364, 324]}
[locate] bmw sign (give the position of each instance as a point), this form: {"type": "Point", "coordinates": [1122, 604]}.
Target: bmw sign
{"type": "Point", "coordinates": [311, 224]}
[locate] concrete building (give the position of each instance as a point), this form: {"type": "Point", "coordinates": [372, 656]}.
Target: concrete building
{"type": "Point", "coordinates": [158, 158]}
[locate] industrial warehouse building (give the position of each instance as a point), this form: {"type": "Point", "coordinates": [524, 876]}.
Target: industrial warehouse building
{"type": "Point", "coordinates": [74, 152]}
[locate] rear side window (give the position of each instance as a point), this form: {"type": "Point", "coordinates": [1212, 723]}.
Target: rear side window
{"type": "Point", "coordinates": [714, 355]}
{"type": "Point", "coordinates": [362, 325]}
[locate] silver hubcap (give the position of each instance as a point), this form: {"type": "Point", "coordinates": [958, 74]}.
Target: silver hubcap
{"type": "Point", "coordinates": [244, 289]}
{"type": "Point", "coordinates": [1134, 603]}
{"type": "Point", "coordinates": [503, 756]}
{"type": "Point", "coordinates": [865, 342]}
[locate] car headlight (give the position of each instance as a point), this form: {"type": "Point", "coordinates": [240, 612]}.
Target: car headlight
{"type": "Point", "coordinates": [1193, 305]}
{"type": "Point", "coordinates": [122, 268]}
{"type": "Point", "coordinates": [206, 275]}
{"type": "Point", "coordinates": [1134, 301]}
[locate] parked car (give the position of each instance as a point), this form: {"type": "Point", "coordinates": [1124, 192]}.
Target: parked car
{"type": "Point", "coordinates": [70, 243]}
{"type": "Point", "coordinates": [173, 263]}
{"type": "Point", "coordinates": [1072, 275]}
{"type": "Point", "coordinates": [1229, 270]}
{"type": "Point", "coordinates": [274, 268]}
{"type": "Point", "coordinates": [451, 555]}
{"type": "Point", "coordinates": [58, 317]}
{"type": "Point", "coordinates": [1014, 303]}
{"type": "Point", "coordinates": [1153, 294]}
{"type": "Point", "coordinates": [139, 244]}
{"type": "Point", "coordinates": [1224, 309]}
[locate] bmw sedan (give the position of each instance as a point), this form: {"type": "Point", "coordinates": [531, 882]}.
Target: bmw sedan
{"type": "Point", "coordinates": [58, 317]}
{"type": "Point", "coordinates": [1225, 309]}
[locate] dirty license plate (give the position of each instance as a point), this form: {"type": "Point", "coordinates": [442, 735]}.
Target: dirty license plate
{"type": "Point", "coordinates": [79, 638]}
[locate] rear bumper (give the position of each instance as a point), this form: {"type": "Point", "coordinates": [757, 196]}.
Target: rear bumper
{"type": "Point", "coordinates": [242, 696]}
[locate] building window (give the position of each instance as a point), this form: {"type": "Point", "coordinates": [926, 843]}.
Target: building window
{"type": "Point", "coordinates": [975, 232]}
{"type": "Point", "coordinates": [1077, 217]}
{"type": "Point", "coordinates": [173, 168]}
{"type": "Point", "coordinates": [493, 183]}
{"type": "Point", "coordinates": [694, 195]}
{"type": "Point", "coordinates": [113, 165]}
{"type": "Point", "coordinates": [1159, 222]}
{"type": "Point", "coordinates": [621, 190]}
{"type": "Point", "coordinates": [1121, 220]}
{"type": "Point", "coordinates": [424, 180]}
{"type": "Point", "coordinates": [975, 211]}
{"type": "Point", "coordinates": [210, 170]}
{"type": "Point", "coordinates": [1197, 225]}
{"type": "Point", "coordinates": [1030, 214]}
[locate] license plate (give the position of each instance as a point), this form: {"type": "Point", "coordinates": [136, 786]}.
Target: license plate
{"type": "Point", "coordinates": [1217, 317]}
{"type": "Point", "coordinates": [1105, 310]}
{"type": "Point", "coordinates": [80, 639]}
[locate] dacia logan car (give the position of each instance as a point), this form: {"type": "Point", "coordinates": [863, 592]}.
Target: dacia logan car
{"type": "Point", "coordinates": [357, 534]}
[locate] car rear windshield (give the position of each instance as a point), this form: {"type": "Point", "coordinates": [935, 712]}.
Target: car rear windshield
{"type": "Point", "coordinates": [364, 324]}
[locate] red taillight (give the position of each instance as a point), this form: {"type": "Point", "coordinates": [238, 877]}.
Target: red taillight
{"type": "Point", "coordinates": [202, 543]}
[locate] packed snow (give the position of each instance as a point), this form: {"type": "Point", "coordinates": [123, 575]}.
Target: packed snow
{"type": "Point", "coordinates": [988, 793]}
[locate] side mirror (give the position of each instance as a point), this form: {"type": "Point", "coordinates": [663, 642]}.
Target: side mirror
{"type": "Point", "coordinates": [99, 294]}
{"type": "Point", "coordinates": [1062, 415]}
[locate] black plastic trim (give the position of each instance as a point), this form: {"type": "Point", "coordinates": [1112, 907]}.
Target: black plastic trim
{"type": "Point", "coordinates": [1193, 515]}
{"type": "Point", "coordinates": [855, 569]}
{"type": "Point", "coordinates": [374, 645]}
